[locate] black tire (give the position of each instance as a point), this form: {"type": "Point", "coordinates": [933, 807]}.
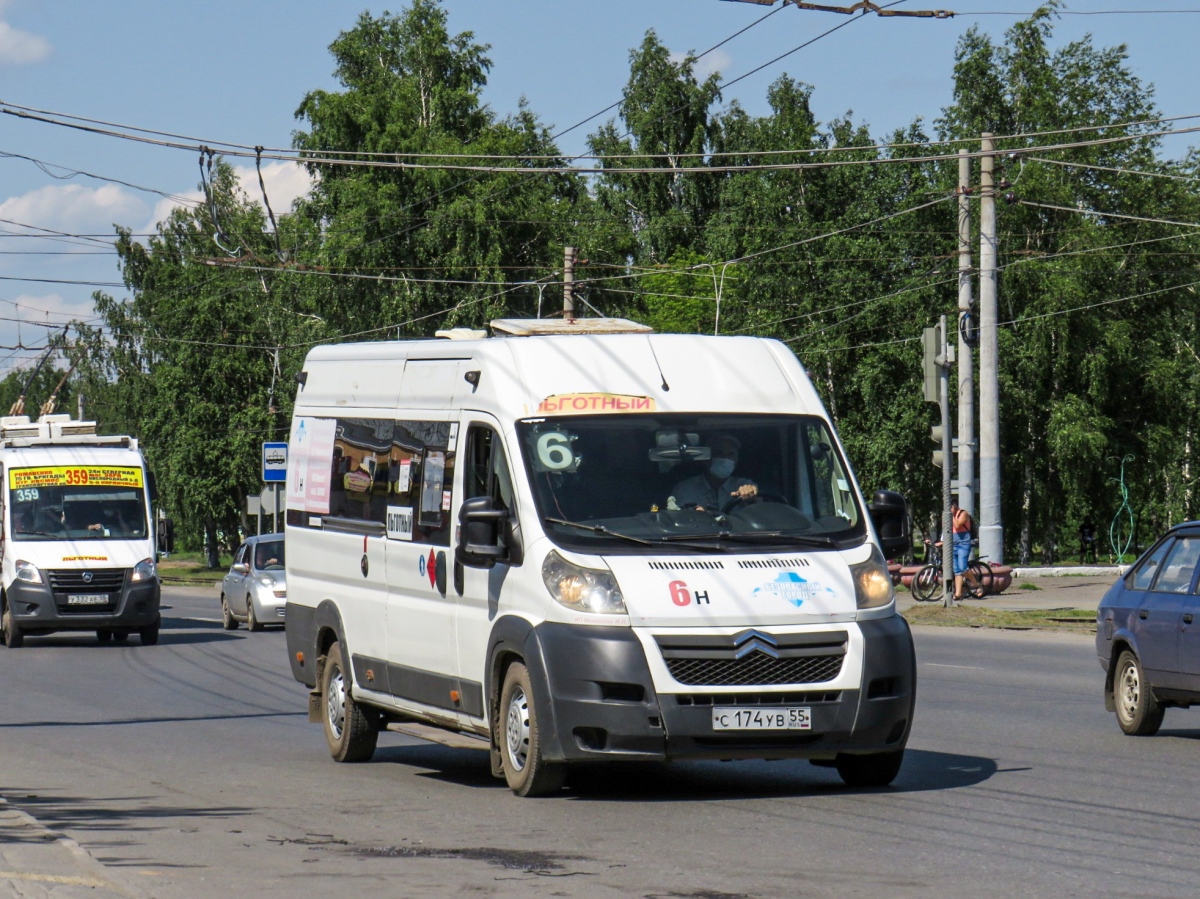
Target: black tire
{"type": "Point", "coordinates": [252, 622]}
{"type": "Point", "coordinates": [13, 638]}
{"type": "Point", "coordinates": [978, 579]}
{"type": "Point", "coordinates": [149, 633]}
{"type": "Point", "coordinates": [227, 620]}
{"type": "Point", "coordinates": [120, 636]}
{"type": "Point", "coordinates": [525, 770]}
{"type": "Point", "coordinates": [104, 635]}
{"type": "Point", "coordinates": [1138, 711]}
{"type": "Point", "coordinates": [350, 733]}
{"type": "Point", "coordinates": [926, 585]}
{"type": "Point", "coordinates": [864, 771]}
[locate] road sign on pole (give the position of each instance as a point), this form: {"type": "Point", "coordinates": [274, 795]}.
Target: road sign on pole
{"type": "Point", "coordinates": [274, 459]}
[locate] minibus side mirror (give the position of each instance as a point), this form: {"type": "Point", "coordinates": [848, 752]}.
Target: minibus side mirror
{"type": "Point", "coordinates": [889, 514]}
{"type": "Point", "coordinates": [482, 533]}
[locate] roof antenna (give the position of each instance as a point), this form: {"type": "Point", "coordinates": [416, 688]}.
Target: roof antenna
{"type": "Point", "coordinates": [665, 385]}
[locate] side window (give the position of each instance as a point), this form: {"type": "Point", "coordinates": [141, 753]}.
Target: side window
{"type": "Point", "coordinates": [241, 555]}
{"type": "Point", "coordinates": [488, 473]}
{"type": "Point", "coordinates": [418, 477]}
{"type": "Point", "coordinates": [358, 477]}
{"type": "Point", "coordinates": [1179, 568]}
{"type": "Point", "coordinates": [1143, 576]}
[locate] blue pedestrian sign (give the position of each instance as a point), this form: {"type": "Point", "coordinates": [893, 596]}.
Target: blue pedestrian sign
{"type": "Point", "coordinates": [274, 456]}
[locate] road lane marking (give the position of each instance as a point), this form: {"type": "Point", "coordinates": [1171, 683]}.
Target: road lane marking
{"type": "Point", "coordinates": [963, 667]}
{"type": "Point", "coordinates": [54, 878]}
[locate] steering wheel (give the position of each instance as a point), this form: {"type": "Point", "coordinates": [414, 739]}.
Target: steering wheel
{"type": "Point", "coordinates": [767, 497]}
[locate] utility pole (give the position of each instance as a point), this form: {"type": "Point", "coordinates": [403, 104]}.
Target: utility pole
{"type": "Point", "coordinates": [966, 373]}
{"type": "Point", "coordinates": [937, 361]}
{"type": "Point", "coordinates": [991, 529]}
{"type": "Point", "coordinates": [569, 284]}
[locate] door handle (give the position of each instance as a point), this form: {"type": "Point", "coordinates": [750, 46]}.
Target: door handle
{"type": "Point", "coordinates": [1187, 617]}
{"type": "Point", "coordinates": [1143, 614]}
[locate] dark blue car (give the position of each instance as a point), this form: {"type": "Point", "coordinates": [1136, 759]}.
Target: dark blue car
{"type": "Point", "coordinates": [1148, 633]}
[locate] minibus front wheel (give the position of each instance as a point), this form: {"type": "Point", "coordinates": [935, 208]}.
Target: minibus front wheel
{"type": "Point", "coordinates": [525, 770]}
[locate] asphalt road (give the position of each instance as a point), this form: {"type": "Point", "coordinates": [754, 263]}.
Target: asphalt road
{"type": "Point", "coordinates": [189, 770]}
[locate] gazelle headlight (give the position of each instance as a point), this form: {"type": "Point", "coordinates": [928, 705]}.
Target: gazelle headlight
{"type": "Point", "coordinates": [872, 582]}
{"type": "Point", "coordinates": [582, 589]}
{"type": "Point", "coordinates": [28, 572]}
{"type": "Point", "coordinates": [144, 570]}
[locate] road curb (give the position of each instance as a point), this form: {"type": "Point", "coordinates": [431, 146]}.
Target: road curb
{"type": "Point", "coordinates": [36, 861]}
{"type": "Point", "coordinates": [1072, 571]}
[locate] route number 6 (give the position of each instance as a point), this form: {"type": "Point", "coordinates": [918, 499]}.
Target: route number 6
{"type": "Point", "coordinates": [554, 451]}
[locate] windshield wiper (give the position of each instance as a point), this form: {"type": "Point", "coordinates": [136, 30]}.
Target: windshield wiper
{"type": "Point", "coordinates": [677, 540]}
{"type": "Point", "coordinates": [771, 537]}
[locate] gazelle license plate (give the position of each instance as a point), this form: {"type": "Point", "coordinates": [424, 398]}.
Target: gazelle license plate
{"type": "Point", "coordinates": [87, 599]}
{"type": "Point", "coordinates": [738, 718]}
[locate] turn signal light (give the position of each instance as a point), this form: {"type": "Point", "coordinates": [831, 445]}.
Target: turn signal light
{"type": "Point", "coordinates": [300, 657]}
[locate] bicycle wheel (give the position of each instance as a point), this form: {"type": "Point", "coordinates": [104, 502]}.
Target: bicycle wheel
{"type": "Point", "coordinates": [978, 579]}
{"type": "Point", "coordinates": [927, 584]}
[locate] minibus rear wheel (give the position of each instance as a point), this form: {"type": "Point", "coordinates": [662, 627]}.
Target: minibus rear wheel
{"type": "Point", "coordinates": [351, 735]}
{"type": "Point", "coordinates": [527, 773]}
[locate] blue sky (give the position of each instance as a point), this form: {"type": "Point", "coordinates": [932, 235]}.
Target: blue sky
{"type": "Point", "coordinates": [236, 71]}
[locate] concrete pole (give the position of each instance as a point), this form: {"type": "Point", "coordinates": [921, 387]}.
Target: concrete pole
{"type": "Point", "coordinates": [966, 373]}
{"type": "Point", "coordinates": [991, 528]}
{"type": "Point", "coordinates": [944, 412]}
{"type": "Point", "coordinates": [569, 284]}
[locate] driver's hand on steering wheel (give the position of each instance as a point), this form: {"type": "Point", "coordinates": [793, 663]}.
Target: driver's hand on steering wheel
{"type": "Point", "coordinates": [745, 491]}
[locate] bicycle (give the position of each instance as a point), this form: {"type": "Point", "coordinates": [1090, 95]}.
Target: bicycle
{"type": "Point", "coordinates": [927, 583]}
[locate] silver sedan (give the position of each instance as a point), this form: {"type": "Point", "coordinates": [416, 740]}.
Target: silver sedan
{"type": "Point", "coordinates": [254, 591]}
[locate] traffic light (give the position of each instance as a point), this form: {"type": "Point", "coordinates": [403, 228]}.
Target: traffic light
{"type": "Point", "coordinates": [935, 434]}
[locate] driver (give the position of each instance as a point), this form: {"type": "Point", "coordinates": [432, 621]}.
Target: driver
{"type": "Point", "coordinates": [715, 488]}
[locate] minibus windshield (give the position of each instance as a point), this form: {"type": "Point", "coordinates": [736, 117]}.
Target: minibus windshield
{"type": "Point", "coordinates": [682, 483]}
{"type": "Point", "coordinates": [77, 512]}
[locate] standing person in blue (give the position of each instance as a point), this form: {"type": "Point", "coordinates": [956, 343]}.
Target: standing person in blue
{"type": "Point", "coordinates": [711, 491]}
{"type": "Point", "coordinates": [962, 525]}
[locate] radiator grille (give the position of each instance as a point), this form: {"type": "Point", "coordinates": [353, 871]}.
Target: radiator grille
{"type": "Point", "coordinates": [102, 580]}
{"type": "Point", "coordinates": [756, 668]}
{"type": "Point", "coordinates": [773, 563]}
{"type": "Point", "coordinates": [687, 566]}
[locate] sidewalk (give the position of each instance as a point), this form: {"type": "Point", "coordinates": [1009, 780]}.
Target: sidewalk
{"type": "Point", "coordinates": [1061, 589]}
{"type": "Point", "coordinates": [37, 863]}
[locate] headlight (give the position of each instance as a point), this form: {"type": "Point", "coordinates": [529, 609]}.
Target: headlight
{"type": "Point", "coordinates": [582, 589]}
{"type": "Point", "coordinates": [266, 580]}
{"type": "Point", "coordinates": [28, 572]}
{"type": "Point", "coordinates": [144, 570]}
{"type": "Point", "coordinates": [872, 583]}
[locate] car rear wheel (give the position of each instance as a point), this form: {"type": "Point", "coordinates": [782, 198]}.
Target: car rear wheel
{"type": "Point", "coordinates": [351, 735]}
{"type": "Point", "coordinates": [252, 621]}
{"type": "Point", "coordinates": [104, 635]}
{"type": "Point", "coordinates": [227, 620]}
{"type": "Point", "coordinates": [525, 770]}
{"type": "Point", "coordinates": [877, 770]}
{"type": "Point", "coordinates": [1138, 712]}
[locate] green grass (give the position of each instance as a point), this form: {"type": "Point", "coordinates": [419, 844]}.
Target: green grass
{"type": "Point", "coordinates": [189, 569]}
{"type": "Point", "coordinates": [1074, 620]}
{"type": "Point", "coordinates": [1029, 586]}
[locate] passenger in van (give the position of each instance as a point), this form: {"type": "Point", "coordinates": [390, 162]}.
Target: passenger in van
{"type": "Point", "coordinates": [713, 490]}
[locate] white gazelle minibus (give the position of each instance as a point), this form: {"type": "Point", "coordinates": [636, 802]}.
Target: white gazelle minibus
{"type": "Point", "coordinates": [582, 541]}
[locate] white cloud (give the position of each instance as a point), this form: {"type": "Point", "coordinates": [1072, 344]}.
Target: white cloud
{"type": "Point", "coordinates": [716, 61]}
{"type": "Point", "coordinates": [285, 182]}
{"type": "Point", "coordinates": [75, 208]}
{"type": "Point", "coordinates": [18, 48]}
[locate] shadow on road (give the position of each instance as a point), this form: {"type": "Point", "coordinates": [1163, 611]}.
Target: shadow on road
{"type": "Point", "coordinates": [653, 781]}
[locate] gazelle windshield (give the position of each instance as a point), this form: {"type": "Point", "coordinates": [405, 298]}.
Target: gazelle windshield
{"type": "Point", "coordinates": [695, 482]}
{"type": "Point", "coordinates": [76, 511]}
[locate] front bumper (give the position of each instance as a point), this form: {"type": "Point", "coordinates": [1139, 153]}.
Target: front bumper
{"type": "Point", "coordinates": [603, 704]}
{"type": "Point", "coordinates": [46, 607]}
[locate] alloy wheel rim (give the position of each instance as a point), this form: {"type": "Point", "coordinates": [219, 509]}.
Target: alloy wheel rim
{"type": "Point", "coordinates": [335, 703]}
{"type": "Point", "coordinates": [517, 729]}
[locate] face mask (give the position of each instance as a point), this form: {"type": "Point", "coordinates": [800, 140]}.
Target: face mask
{"type": "Point", "coordinates": [721, 468]}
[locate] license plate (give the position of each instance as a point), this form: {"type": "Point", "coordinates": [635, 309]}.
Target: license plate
{"type": "Point", "coordinates": [734, 718]}
{"type": "Point", "coordinates": [87, 599]}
